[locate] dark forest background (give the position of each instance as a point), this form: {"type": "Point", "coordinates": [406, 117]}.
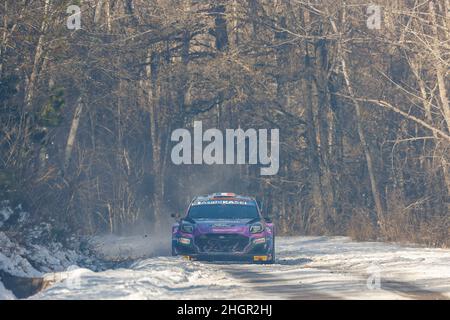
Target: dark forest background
{"type": "Point", "coordinates": [364, 115]}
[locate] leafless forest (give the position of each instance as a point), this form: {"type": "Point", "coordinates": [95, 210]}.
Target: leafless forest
{"type": "Point", "coordinates": [364, 115]}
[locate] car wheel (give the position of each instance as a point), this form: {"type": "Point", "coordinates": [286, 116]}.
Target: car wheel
{"type": "Point", "coordinates": [272, 260]}
{"type": "Point", "coordinates": [174, 251]}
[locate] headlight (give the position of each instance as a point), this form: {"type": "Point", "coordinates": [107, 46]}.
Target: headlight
{"type": "Point", "coordinates": [185, 241]}
{"type": "Point", "coordinates": [259, 240]}
{"type": "Point", "coordinates": [256, 228]}
{"type": "Point", "coordinates": [188, 228]}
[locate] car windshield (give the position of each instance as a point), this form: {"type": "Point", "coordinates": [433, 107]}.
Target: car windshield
{"type": "Point", "coordinates": [221, 211]}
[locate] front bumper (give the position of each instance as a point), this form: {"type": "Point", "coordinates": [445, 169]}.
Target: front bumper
{"type": "Point", "coordinates": [229, 257]}
{"type": "Point", "coordinates": [230, 247]}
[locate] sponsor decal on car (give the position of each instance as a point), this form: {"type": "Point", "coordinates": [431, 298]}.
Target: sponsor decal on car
{"type": "Point", "coordinates": [222, 225]}
{"type": "Point", "coordinates": [244, 203]}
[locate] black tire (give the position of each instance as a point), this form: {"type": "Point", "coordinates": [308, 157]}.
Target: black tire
{"type": "Point", "coordinates": [174, 251]}
{"type": "Point", "coordinates": [272, 260]}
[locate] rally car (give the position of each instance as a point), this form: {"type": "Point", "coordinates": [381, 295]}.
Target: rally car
{"type": "Point", "coordinates": [224, 226]}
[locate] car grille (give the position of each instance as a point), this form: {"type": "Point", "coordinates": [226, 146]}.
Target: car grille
{"type": "Point", "coordinates": [221, 243]}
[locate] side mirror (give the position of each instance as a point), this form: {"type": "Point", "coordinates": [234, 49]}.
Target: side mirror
{"type": "Point", "coordinates": [174, 215]}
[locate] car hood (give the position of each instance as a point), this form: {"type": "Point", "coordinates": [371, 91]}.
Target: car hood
{"type": "Point", "coordinates": [222, 226]}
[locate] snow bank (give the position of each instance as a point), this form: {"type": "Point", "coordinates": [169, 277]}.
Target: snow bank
{"type": "Point", "coordinates": [154, 278]}
{"type": "Point", "coordinates": [5, 213]}
{"type": "Point", "coordinates": [13, 259]}
{"type": "Point", "coordinates": [5, 294]}
{"type": "Point", "coordinates": [393, 261]}
{"type": "Point", "coordinates": [36, 254]}
{"type": "Point", "coordinates": [306, 268]}
{"type": "Point", "coordinates": [32, 260]}
{"type": "Point", "coordinates": [374, 270]}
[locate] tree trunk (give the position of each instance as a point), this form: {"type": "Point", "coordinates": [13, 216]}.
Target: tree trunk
{"type": "Point", "coordinates": [156, 127]}
{"type": "Point", "coordinates": [370, 168]}
{"type": "Point", "coordinates": [364, 144]}
{"type": "Point", "coordinates": [72, 134]}
{"type": "Point", "coordinates": [98, 11]}
{"type": "Point", "coordinates": [324, 122]}
{"type": "Point", "coordinates": [415, 66]}
{"type": "Point", "coordinates": [441, 69]}
{"type": "Point", "coordinates": [29, 90]}
{"type": "Point", "coordinates": [314, 157]}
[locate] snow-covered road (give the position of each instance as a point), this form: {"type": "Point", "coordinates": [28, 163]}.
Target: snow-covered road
{"type": "Point", "coordinates": [306, 268]}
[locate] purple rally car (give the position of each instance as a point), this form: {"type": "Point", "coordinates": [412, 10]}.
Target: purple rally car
{"type": "Point", "coordinates": [224, 226]}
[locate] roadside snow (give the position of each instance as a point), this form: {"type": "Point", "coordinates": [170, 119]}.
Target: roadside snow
{"type": "Point", "coordinates": [35, 251]}
{"type": "Point", "coordinates": [426, 268]}
{"type": "Point", "coordinates": [306, 268]}
{"type": "Point", "coordinates": [154, 278]}
{"type": "Point", "coordinates": [34, 260]}
{"type": "Point", "coordinates": [12, 259]}
{"type": "Point", "coordinates": [5, 294]}
{"type": "Point", "coordinates": [5, 213]}
{"type": "Point", "coordinates": [368, 270]}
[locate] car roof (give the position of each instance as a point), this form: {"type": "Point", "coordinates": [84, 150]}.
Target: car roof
{"type": "Point", "coordinates": [223, 196]}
